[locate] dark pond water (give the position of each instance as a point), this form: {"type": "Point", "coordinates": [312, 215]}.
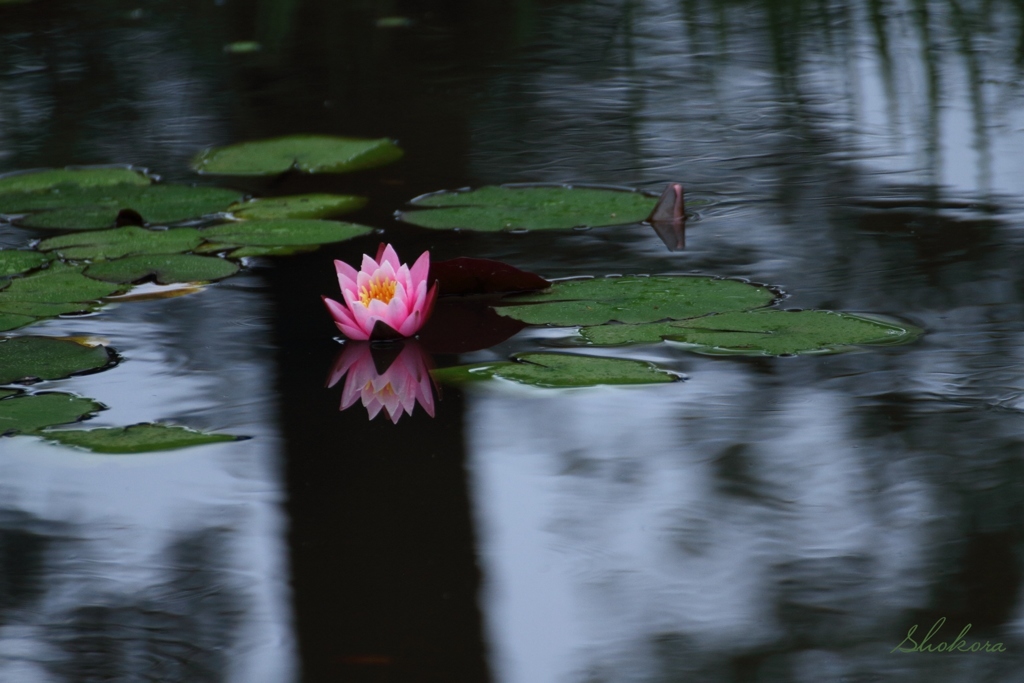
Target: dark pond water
{"type": "Point", "coordinates": [779, 520]}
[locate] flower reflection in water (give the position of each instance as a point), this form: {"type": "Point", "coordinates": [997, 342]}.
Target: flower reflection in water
{"type": "Point", "coordinates": [392, 377]}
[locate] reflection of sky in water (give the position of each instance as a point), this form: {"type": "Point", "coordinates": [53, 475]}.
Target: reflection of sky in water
{"type": "Point", "coordinates": [163, 566]}
{"type": "Point", "coordinates": [781, 520]}
{"type": "Point", "coordinates": [769, 520]}
{"type": "Point", "coordinates": [637, 534]}
{"type": "Point", "coordinates": [693, 100]}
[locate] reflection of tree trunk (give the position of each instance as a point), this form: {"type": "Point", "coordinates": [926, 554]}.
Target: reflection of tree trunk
{"type": "Point", "coordinates": [383, 551]}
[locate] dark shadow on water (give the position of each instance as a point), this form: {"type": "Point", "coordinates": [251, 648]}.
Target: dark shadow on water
{"type": "Point", "coordinates": [383, 556]}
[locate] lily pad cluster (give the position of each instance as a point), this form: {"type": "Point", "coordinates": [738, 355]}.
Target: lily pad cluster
{"type": "Point", "coordinates": [29, 359]}
{"type": "Point", "coordinates": [119, 227]}
{"type": "Point", "coordinates": [706, 315]}
{"type": "Point", "coordinates": [71, 272]}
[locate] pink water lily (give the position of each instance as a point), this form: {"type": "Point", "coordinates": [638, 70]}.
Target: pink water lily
{"type": "Point", "coordinates": [396, 390]}
{"type": "Point", "coordinates": [385, 299]}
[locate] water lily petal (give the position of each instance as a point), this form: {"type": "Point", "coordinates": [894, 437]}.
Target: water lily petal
{"type": "Point", "coordinates": [421, 269]}
{"type": "Point", "coordinates": [339, 312]}
{"type": "Point", "coordinates": [354, 354]}
{"type": "Point", "coordinates": [346, 274]}
{"type": "Point", "coordinates": [364, 321]}
{"type": "Point", "coordinates": [368, 266]}
{"type": "Point", "coordinates": [411, 324]}
{"type": "Point", "coordinates": [390, 257]}
{"type": "Point", "coordinates": [344, 320]}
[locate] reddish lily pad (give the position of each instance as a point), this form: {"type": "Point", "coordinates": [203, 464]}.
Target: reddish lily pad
{"type": "Point", "coordinates": [460, 325]}
{"type": "Point", "coordinates": [482, 276]}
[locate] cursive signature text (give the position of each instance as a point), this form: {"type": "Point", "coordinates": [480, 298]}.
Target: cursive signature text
{"type": "Point", "coordinates": [958, 644]}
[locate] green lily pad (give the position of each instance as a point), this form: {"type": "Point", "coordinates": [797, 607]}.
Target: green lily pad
{"type": "Point", "coordinates": [560, 370]}
{"type": "Point", "coordinates": [165, 268]}
{"type": "Point", "coordinates": [58, 284]}
{"type": "Point", "coordinates": [15, 313]}
{"type": "Point", "coordinates": [633, 299]}
{"type": "Point", "coordinates": [110, 244]}
{"type": "Point", "coordinates": [242, 252]}
{"type": "Point", "coordinates": [30, 413]}
{"type": "Point", "coordinates": [283, 233]}
{"type": "Point", "coordinates": [71, 177]}
{"type": "Point", "coordinates": [91, 208]}
{"type": "Point", "coordinates": [14, 261]}
{"type": "Point", "coordinates": [36, 358]}
{"type": "Point", "coordinates": [306, 153]}
{"type": "Point", "coordinates": [243, 47]}
{"type": "Point", "coordinates": [12, 321]}
{"type": "Point", "coordinates": [4, 393]}
{"type": "Point", "coordinates": [298, 206]}
{"type": "Point", "coordinates": [42, 309]}
{"type": "Point", "coordinates": [529, 208]}
{"type": "Point", "coordinates": [760, 333]}
{"type": "Point", "coordinates": [235, 251]}
{"type": "Point", "coordinates": [140, 438]}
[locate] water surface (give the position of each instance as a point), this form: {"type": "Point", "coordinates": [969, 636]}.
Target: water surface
{"type": "Point", "coordinates": [780, 519]}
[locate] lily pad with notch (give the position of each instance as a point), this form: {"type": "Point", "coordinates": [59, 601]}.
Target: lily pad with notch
{"type": "Point", "coordinates": [32, 413]}
{"type": "Point", "coordinates": [16, 261]}
{"type": "Point", "coordinates": [305, 153]}
{"type": "Point", "coordinates": [297, 206]}
{"type": "Point", "coordinates": [551, 370]}
{"type": "Point", "coordinates": [140, 438]}
{"type": "Point", "coordinates": [280, 233]}
{"type": "Point", "coordinates": [164, 268]}
{"type": "Point", "coordinates": [33, 358]}
{"type": "Point", "coordinates": [92, 208]}
{"type": "Point", "coordinates": [761, 333]}
{"type": "Point", "coordinates": [111, 244]}
{"type": "Point", "coordinates": [633, 299]}
{"type": "Point", "coordinates": [35, 181]}
{"type": "Point", "coordinates": [504, 207]}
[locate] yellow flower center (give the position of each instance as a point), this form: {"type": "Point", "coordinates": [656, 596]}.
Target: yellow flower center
{"type": "Point", "coordinates": [381, 289]}
{"type": "Point", "coordinates": [386, 391]}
